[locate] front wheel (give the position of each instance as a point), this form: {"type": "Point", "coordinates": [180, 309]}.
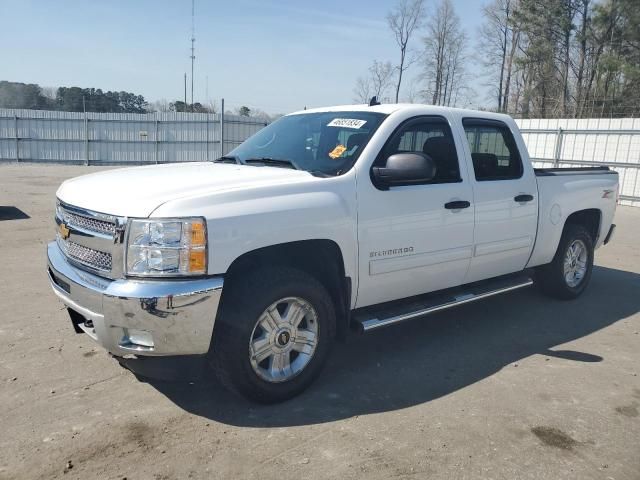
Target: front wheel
{"type": "Point", "coordinates": [273, 334]}
{"type": "Point", "coordinates": [568, 274]}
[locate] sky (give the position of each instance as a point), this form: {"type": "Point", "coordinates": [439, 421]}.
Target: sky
{"type": "Point", "coordinates": [278, 56]}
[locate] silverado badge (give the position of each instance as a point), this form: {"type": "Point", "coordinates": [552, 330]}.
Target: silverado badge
{"type": "Point", "coordinates": [64, 231]}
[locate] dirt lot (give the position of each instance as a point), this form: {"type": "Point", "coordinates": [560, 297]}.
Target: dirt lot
{"type": "Point", "coordinates": [513, 387]}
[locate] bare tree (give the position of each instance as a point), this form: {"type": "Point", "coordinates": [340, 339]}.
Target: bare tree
{"type": "Point", "coordinates": [378, 80]}
{"type": "Point", "coordinates": [381, 77]}
{"type": "Point", "coordinates": [362, 90]}
{"type": "Point", "coordinates": [212, 106]}
{"type": "Point", "coordinates": [412, 96]}
{"type": "Point", "coordinates": [49, 92]}
{"type": "Point", "coordinates": [403, 21]}
{"type": "Point", "coordinates": [515, 41]}
{"type": "Point", "coordinates": [261, 115]}
{"type": "Point", "coordinates": [161, 105]}
{"type": "Point", "coordinates": [582, 38]}
{"type": "Point", "coordinates": [444, 56]}
{"type": "Point", "coordinates": [498, 43]}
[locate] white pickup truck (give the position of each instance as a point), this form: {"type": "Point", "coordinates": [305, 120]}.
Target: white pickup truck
{"type": "Point", "coordinates": [327, 220]}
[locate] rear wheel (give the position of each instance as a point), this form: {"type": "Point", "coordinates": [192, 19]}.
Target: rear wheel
{"type": "Point", "coordinates": [568, 275]}
{"type": "Point", "coordinates": [273, 334]}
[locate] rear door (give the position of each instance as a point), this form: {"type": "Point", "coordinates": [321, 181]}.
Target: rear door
{"type": "Point", "coordinates": [505, 198]}
{"type": "Point", "coordinates": [412, 240]}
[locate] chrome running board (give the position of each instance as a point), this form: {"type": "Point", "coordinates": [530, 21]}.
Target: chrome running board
{"type": "Point", "coordinates": [375, 317]}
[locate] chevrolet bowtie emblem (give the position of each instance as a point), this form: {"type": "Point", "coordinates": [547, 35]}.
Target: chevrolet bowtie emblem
{"type": "Point", "coordinates": [64, 231]}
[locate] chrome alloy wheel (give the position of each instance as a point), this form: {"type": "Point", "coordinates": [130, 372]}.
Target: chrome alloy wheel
{"type": "Point", "coordinates": [575, 263]}
{"type": "Point", "coordinates": [284, 339]}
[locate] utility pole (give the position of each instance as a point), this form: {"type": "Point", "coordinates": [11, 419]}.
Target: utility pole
{"type": "Point", "coordinates": [185, 92]}
{"type": "Point", "coordinates": [86, 132]}
{"type": "Point", "coordinates": [222, 129]}
{"type": "Point", "coordinates": [193, 41]}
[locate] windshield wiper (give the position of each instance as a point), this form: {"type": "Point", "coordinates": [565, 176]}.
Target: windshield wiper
{"type": "Point", "coordinates": [275, 162]}
{"type": "Point", "coordinates": [228, 159]}
{"type": "Point", "coordinates": [320, 173]}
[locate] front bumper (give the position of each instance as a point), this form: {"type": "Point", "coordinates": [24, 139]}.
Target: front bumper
{"type": "Point", "coordinates": [142, 317]}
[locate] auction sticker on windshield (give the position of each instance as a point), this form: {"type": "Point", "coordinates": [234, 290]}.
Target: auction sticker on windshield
{"type": "Point", "coordinates": [336, 152]}
{"type": "Point", "coordinates": [346, 122]}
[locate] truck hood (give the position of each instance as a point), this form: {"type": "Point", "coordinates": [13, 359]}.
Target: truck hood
{"type": "Point", "coordinates": [138, 191]}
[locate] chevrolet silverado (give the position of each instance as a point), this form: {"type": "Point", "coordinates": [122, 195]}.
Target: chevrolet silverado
{"type": "Point", "coordinates": [326, 221]}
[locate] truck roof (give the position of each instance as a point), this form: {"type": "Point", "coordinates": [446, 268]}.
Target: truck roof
{"type": "Point", "coordinates": [417, 108]}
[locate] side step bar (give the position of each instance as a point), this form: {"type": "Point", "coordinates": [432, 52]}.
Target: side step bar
{"type": "Point", "coordinates": [372, 318]}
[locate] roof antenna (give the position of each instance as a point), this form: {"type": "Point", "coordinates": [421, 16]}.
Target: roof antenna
{"type": "Point", "coordinates": [374, 101]}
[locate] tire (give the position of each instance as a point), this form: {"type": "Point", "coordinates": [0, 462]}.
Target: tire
{"type": "Point", "coordinates": [553, 280]}
{"type": "Point", "coordinates": [243, 328]}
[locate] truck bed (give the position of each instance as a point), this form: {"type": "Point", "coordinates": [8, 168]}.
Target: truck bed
{"type": "Point", "coordinates": [562, 191]}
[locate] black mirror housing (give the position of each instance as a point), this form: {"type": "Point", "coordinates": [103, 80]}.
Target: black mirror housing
{"type": "Point", "coordinates": [411, 168]}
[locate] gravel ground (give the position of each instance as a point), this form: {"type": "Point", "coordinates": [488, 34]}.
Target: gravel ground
{"type": "Point", "coordinates": [513, 387]}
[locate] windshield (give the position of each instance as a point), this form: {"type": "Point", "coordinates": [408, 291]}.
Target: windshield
{"type": "Point", "coordinates": [328, 143]}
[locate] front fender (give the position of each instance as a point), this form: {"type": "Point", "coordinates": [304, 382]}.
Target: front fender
{"type": "Point", "coordinates": [239, 222]}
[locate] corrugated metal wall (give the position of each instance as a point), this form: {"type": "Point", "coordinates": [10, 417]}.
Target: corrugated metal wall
{"type": "Point", "coordinates": [121, 138]}
{"type": "Point", "coordinates": [591, 141]}
{"type": "Point", "coordinates": [114, 138]}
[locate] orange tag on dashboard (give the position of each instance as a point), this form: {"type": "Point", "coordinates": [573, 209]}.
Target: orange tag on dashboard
{"type": "Point", "coordinates": [336, 152]}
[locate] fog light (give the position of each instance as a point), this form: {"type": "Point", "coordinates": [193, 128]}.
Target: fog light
{"type": "Point", "coordinates": [138, 337]}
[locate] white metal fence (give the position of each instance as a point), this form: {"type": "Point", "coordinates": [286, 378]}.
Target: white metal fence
{"type": "Point", "coordinates": [583, 142]}
{"type": "Point", "coordinates": [122, 138]}
{"type": "Point", "coordinates": [119, 138]}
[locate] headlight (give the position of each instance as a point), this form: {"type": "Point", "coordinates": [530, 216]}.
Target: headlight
{"type": "Point", "coordinates": [167, 247]}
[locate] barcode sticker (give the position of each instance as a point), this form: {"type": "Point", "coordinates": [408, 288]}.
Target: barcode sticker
{"type": "Point", "coordinates": [346, 122]}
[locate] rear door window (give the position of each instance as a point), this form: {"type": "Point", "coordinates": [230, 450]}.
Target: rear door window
{"type": "Point", "coordinates": [494, 152]}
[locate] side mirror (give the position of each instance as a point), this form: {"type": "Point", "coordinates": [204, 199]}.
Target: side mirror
{"type": "Point", "coordinates": [405, 169]}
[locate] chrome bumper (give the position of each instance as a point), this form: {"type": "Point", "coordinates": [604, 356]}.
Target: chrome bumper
{"type": "Point", "coordinates": [143, 317]}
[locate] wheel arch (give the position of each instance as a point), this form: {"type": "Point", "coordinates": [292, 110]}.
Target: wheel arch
{"type": "Point", "coordinates": [322, 259]}
{"type": "Point", "coordinates": [590, 219]}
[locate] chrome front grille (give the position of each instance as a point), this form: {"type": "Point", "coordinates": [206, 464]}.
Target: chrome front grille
{"type": "Point", "coordinates": [89, 224]}
{"type": "Point", "coordinates": [94, 259]}
{"type": "Point", "coordinates": [91, 240]}
{"type": "Point", "coordinates": [96, 223]}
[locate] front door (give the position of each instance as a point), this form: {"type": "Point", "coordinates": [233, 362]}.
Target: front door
{"type": "Point", "coordinates": [505, 198]}
{"type": "Point", "coordinates": [413, 238]}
